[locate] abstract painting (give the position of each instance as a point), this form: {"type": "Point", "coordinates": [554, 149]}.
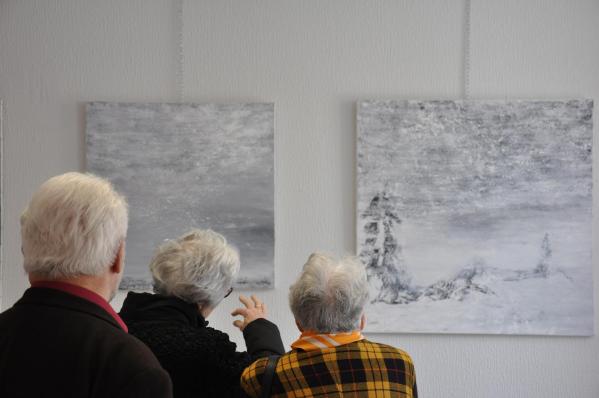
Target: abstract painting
{"type": "Point", "coordinates": [185, 166]}
{"type": "Point", "coordinates": [475, 216]}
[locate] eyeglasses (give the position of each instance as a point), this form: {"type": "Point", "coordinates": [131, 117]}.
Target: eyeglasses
{"type": "Point", "coordinates": [229, 293]}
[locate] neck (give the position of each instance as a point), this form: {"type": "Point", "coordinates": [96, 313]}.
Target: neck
{"type": "Point", "coordinates": [97, 284]}
{"type": "Point", "coordinates": [204, 311]}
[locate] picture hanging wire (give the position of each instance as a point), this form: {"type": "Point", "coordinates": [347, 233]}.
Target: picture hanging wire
{"type": "Point", "coordinates": [466, 77]}
{"type": "Point", "coordinates": [180, 77]}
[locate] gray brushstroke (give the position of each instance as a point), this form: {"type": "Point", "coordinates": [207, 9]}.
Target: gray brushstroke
{"type": "Point", "coordinates": [189, 165]}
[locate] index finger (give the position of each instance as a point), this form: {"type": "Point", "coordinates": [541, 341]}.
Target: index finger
{"type": "Point", "coordinates": [240, 311]}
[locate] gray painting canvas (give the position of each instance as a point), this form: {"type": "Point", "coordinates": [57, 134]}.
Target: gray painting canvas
{"type": "Point", "coordinates": [475, 216]}
{"type": "Point", "coordinates": [185, 166]}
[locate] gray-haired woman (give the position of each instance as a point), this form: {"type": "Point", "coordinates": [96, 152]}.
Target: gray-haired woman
{"type": "Point", "coordinates": [331, 357]}
{"type": "Point", "coordinates": [192, 274]}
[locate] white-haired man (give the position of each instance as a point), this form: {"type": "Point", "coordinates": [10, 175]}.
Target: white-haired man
{"type": "Point", "coordinates": [332, 358]}
{"type": "Point", "coordinates": [62, 338]}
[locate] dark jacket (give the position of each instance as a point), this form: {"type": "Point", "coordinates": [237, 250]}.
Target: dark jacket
{"type": "Point", "coordinates": [202, 361]}
{"type": "Point", "coordinates": [54, 344]}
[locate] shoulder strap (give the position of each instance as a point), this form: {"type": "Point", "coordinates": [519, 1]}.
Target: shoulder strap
{"type": "Point", "coordinates": [269, 372]}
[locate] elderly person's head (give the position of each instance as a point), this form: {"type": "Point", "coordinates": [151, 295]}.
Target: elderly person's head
{"type": "Point", "coordinates": [75, 226]}
{"type": "Point", "coordinates": [330, 295]}
{"type": "Point", "coordinates": [198, 267]}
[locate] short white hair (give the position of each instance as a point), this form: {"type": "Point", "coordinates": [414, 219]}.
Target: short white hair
{"type": "Point", "coordinates": [73, 226]}
{"type": "Point", "coordinates": [198, 267]}
{"type": "Point", "coordinates": [330, 294]}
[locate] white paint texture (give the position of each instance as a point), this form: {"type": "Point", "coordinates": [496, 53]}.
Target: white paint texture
{"type": "Point", "coordinates": [313, 59]}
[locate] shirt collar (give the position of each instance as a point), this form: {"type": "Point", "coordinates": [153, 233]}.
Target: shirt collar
{"type": "Point", "coordinates": [310, 341]}
{"type": "Point", "coordinates": [85, 294]}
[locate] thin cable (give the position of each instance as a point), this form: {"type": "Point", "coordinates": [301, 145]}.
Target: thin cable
{"type": "Point", "coordinates": [466, 92]}
{"type": "Point", "coordinates": [180, 38]}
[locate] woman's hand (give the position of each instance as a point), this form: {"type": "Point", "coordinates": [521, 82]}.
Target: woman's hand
{"type": "Point", "coordinates": [253, 310]}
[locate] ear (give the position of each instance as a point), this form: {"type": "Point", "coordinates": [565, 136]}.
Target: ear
{"type": "Point", "coordinates": [301, 329]}
{"type": "Point", "coordinates": [362, 321]}
{"type": "Point", "coordinates": [119, 260]}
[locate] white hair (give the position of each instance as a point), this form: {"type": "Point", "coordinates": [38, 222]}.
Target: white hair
{"type": "Point", "coordinates": [330, 294]}
{"type": "Point", "coordinates": [198, 267]}
{"type": "Point", "coordinates": [73, 226]}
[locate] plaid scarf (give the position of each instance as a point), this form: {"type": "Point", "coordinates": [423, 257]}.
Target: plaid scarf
{"type": "Point", "coordinates": [310, 341]}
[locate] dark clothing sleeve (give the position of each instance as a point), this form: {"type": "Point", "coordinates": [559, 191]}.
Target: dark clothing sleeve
{"type": "Point", "coordinates": [154, 383]}
{"type": "Point", "coordinates": [262, 339]}
{"type": "Point", "coordinates": [202, 361]}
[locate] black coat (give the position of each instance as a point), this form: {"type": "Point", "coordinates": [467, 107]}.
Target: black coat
{"type": "Point", "coordinates": [54, 344]}
{"type": "Point", "coordinates": [202, 361]}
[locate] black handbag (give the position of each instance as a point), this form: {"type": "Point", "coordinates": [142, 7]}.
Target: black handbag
{"type": "Point", "coordinates": [269, 373]}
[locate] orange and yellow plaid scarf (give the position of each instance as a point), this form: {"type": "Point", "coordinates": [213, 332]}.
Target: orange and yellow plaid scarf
{"type": "Point", "coordinates": [310, 341]}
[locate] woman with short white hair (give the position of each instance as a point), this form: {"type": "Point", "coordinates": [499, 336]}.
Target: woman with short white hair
{"type": "Point", "coordinates": [332, 357]}
{"type": "Point", "coordinates": [330, 295]}
{"type": "Point", "coordinates": [192, 275]}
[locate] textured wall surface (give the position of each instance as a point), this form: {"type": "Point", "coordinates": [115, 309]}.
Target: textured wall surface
{"type": "Point", "coordinates": [314, 59]}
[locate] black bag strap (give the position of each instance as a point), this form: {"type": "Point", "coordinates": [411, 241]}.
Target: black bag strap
{"type": "Point", "coordinates": [269, 372]}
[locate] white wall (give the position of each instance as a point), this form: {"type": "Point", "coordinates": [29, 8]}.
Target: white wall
{"type": "Point", "coordinates": [314, 59]}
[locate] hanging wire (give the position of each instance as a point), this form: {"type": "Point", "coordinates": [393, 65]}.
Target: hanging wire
{"type": "Point", "coordinates": [466, 92]}
{"type": "Point", "coordinates": [180, 38]}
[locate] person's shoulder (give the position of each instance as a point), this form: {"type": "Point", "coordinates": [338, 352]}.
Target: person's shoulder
{"type": "Point", "coordinates": [216, 340]}
{"type": "Point", "coordinates": [184, 342]}
{"type": "Point", "coordinates": [7, 321]}
{"type": "Point", "coordinates": [386, 350]}
{"type": "Point", "coordinates": [130, 342]}
{"type": "Point", "coordinates": [135, 367]}
{"type": "Point", "coordinates": [6, 315]}
{"type": "Point", "coordinates": [175, 331]}
{"type": "Point", "coordinates": [251, 378]}
{"type": "Point", "coordinates": [127, 348]}
{"type": "Point", "coordinates": [148, 382]}
{"type": "Point", "coordinates": [256, 368]}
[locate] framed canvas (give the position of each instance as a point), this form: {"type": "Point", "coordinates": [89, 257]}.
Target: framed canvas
{"type": "Point", "coordinates": [475, 216]}
{"type": "Point", "coordinates": [184, 166]}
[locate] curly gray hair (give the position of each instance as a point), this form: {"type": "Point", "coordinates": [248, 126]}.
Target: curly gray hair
{"type": "Point", "coordinates": [330, 294]}
{"type": "Point", "coordinates": [198, 267]}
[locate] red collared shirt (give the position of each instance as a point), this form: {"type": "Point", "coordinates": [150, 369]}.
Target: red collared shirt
{"type": "Point", "coordinates": [85, 294]}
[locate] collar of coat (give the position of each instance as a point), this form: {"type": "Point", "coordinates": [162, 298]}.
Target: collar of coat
{"type": "Point", "coordinates": [86, 294]}
{"type": "Point", "coordinates": [310, 341]}
{"type": "Point", "coordinates": [146, 307]}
